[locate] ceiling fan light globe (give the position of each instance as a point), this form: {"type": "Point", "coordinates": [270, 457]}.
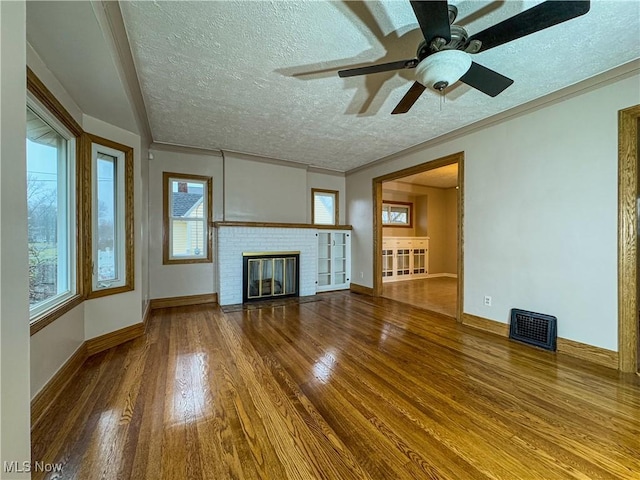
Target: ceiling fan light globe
{"type": "Point", "coordinates": [444, 67]}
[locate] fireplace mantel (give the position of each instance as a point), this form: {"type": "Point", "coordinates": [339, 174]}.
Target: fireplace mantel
{"type": "Point", "coordinates": [280, 225]}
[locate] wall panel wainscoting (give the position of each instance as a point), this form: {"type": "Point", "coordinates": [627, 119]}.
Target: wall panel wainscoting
{"type": "Point", "coordinates": [346, 387]}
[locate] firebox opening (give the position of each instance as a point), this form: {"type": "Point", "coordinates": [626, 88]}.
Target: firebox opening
{"type": "Point", "coordinates": [270, 275]}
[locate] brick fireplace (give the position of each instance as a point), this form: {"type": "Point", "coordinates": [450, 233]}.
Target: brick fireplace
{"type": "Point", "coordinates": [234, 241]}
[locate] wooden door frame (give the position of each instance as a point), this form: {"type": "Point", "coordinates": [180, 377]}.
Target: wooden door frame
{"type": "Point", "coordinates": [377, 220]}
{"type": "Point", "coordinates": [628, 130]}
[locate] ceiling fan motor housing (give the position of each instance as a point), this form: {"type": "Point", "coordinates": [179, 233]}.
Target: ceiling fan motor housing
{"type": "Point", "coordinates": [459, 37]}
{"type": "Point", "coordinates": [458, 40]}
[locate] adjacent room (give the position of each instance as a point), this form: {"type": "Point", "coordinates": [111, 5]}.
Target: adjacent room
{"type": "Point", "coordinates": [420, 239]}
{"type": "Point", "coordinates": [385, 239]}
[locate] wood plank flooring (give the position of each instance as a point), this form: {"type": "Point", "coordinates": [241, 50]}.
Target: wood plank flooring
{"type": "Point", "coordinates": [349, 387]}
{"type": "Point", "coordinates": [437, 294]}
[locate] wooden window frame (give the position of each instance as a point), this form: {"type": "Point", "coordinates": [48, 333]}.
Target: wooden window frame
{"type": "Point", "coordinates": [336, 206]}
{"type": "Point", "coordinates": [398, 225]}
{"type": "Point", "coordinates": [166, 220]}
{"type": "Point", "coordinates": [88, 140]}
{"type": "Point", "coordinates": [50, 103]}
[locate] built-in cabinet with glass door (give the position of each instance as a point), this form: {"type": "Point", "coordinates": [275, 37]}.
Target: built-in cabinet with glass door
{"type": "Point", "coordinates": [334, 260]}
{"type": "Point", "coordinates": [404, 258]}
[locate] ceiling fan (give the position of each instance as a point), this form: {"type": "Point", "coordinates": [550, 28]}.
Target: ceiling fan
{"type": "Point", "coordinates": [443, 57]}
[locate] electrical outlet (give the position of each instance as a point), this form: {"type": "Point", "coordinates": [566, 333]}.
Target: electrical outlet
{"type": "Point", "coordinates": [361, 274]}
{"type": "Point", "coordinates": [487, 301]}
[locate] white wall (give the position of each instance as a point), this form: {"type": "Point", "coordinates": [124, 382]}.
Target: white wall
{"type": "Point", "coordinates": [540, 226]}
{"type": "Point", "coordinates": [14, 308]}
{"type": "Point", "coordinates": [187, 279]}
{"type": "Point", "coordinates": [52, 346]}
{"type": "Point", "coordinates": [258, 191]}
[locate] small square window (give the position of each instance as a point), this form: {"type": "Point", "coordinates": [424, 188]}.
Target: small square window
{"type": "Point", "coordinates": [396, 214]}
{"type": "Point", "coordinates": [324, 207]}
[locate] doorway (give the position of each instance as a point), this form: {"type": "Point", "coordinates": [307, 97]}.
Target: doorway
{"type": "Point", "coordinates": [429, 275]}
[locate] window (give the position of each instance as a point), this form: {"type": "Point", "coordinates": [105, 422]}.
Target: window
{"type": "Point", "coordinates": [51, 218]}
{"type": "Point", "coordinates": [397, 214]}
{"type": "Point", "coordinates": [111, 246]}
{"type": "Point", "coordinates": [187, 215]}
{"type": "Point", "coordinates": [324, 206]}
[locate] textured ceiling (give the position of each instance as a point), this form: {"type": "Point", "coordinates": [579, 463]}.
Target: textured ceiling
{"type": "Point", "coordinates": [260, 77]}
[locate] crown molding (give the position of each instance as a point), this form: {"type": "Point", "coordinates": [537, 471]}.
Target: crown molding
{"type": "Point", "coordinates": [325, 171]}
{"type": "Point", "coordinates": [261, 159]}
{"type": "Point", "coordinates": [177, 148]}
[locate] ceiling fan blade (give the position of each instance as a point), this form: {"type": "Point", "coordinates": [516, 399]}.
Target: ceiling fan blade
{"type": "Point", "coordinates": [409, 98]}
{"type": "Point", "coordinates": [485, 80]}
{"type": "Point", "coordinates": [383, 67]}
{"type": "Point", "coordinates": [537, 18]}
{"type": "Point", "coordinates": [433, 17]}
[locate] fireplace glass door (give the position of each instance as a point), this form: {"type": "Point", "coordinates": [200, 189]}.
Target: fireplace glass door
{"type": "Point", "coordinates": [270, 276]}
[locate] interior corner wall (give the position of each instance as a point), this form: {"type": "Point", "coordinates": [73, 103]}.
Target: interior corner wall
{"type": "Point", "coordinates": [257, 191]}
{"type": "Point", "coordinates": [187, 279]}
{"type": "Point", "coordinates": [327, 181]}
{"type": "Point", "coordinates": [14, 283]}
{"type": "Point", "coordinates": [540, 211]}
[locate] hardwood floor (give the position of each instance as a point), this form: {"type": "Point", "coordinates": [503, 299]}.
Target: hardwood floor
{"type": "Point", "coordinates": [438, 294]}
{"type": "Point", "coordinates": [346, 387]}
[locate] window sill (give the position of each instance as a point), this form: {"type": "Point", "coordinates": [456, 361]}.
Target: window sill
{"type": "Point", "coordinates": [186, 261]}
{"type": "Point", "coordinates": [104, 292]}
{"type": "Point", "coordinates": [50, 316]}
